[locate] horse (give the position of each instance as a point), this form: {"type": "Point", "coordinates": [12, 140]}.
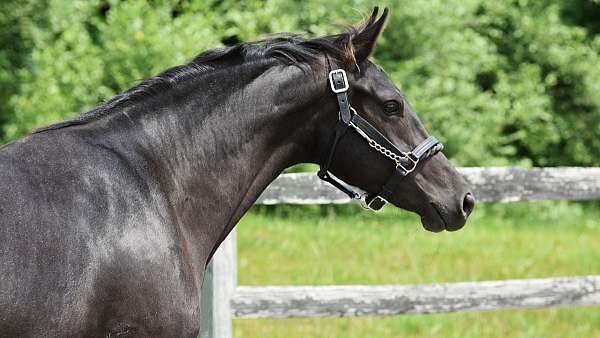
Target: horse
{"type": "Point", "coordinates": [108, 220]}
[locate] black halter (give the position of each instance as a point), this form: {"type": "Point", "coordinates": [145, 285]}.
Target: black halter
{"type": "Point", "coordinates": [406, 162]}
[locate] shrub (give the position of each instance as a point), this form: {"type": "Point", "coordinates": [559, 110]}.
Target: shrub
{"type": "Point", "coordinates": [508, 82]}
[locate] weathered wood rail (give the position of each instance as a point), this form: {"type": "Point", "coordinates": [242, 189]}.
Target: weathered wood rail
{"type": "Point", "coordinates": [223, 300]}
{"type": "Point", "coordinates": [492, 184]}
{"type": "Point", "coordinates": [379, 300]}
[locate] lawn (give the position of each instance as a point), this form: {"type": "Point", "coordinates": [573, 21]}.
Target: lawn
{"type": "Point", "coordinates": [332, 245]}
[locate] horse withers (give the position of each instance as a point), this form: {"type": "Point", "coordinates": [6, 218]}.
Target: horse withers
{"type": "Point", "coordinates": [108, 220]}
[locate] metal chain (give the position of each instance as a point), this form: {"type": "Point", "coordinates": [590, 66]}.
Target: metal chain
{"type": "Point", "coordinates": [393, 156]}
{"type": "Point", "coordinates": [381, 149]}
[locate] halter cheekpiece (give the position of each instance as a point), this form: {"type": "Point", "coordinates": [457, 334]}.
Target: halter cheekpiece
{"type": "Point", "coordinates": [405, 162]}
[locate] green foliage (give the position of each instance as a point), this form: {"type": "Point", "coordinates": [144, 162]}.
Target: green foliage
{"type": "Point", "coordinates": [501, 82]}
{"type": "Point", "coordinates": [14, 47]}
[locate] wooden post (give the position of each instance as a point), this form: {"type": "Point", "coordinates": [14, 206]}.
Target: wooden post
{"type": "Point", "coordinates": [219, 285]}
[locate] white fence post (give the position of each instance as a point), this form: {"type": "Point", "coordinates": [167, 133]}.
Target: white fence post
{"type": "Point", "coordinates": [220, 281]}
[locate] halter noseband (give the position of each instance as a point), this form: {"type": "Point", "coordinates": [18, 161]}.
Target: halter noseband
{"type": "Point", "coordinates": [405, 162]}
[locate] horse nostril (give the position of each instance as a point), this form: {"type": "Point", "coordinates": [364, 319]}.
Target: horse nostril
{"type": "Point", "coordinates": [468, 204]}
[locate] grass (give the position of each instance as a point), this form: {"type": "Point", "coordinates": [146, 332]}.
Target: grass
{"type": "Point", "coordinates": [289, 245]}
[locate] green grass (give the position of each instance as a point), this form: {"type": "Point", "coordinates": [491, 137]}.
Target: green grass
{"type": "Point", "coordinates": [326, 245]}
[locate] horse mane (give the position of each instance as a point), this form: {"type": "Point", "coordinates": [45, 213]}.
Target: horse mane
{"type": "Point", "coordinates": [287, 48]}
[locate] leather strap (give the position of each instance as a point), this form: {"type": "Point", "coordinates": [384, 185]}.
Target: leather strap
{"type": "Point", "coordinates": [339, 85]}
{"type": "Point", "coordinates": [374, 134]}
{"type": "Point", "coordinates": [422, 149]}
{"type": "Point", "coordinates": [340, 130]}
{"type": "Point", "coordinates": [405, 162]}
{"type": "Point", "coordinates": [379, 200]}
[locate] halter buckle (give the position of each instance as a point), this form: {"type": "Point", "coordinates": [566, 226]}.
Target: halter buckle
{"type": "Point", "coordinates": [406, 170]}
{"type": "Point", "coordinates": [375, 204]}
{"type": "Point", "coordinates": [345, 84]}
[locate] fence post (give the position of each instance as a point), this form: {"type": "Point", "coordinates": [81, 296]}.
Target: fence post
{"type": "Point", "coordinates": [220, 281]}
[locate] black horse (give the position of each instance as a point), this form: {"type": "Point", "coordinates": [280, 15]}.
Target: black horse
{"type": "Point", "coordinates": [108, 220]}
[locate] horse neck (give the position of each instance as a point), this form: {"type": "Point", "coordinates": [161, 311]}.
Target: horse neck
{"type": "Point", "coordinates": [220, 140]}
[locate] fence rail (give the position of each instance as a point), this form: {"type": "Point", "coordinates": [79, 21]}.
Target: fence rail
{"type": "Point", "coordinates": [371, 300]}
{"type": "Point", "coordinates": [223, 300]}
{"type": "Point", "coordinates": [490, 184]}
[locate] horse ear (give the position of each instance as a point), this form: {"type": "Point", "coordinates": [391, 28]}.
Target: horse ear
{"type": "Point", "coordinates": [366, 37]}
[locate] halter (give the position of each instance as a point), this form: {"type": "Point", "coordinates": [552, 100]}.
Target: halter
{"type": "Point", "coordinates": [405, 162]}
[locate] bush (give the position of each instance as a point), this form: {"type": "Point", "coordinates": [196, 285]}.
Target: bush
{"type": "Point", "coordinates": [509, 82]}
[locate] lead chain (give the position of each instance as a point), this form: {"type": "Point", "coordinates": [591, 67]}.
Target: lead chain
{"type": "Point", "coordinates": [381, 149]}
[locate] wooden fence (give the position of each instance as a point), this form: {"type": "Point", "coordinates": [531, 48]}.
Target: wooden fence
{"type": "Point", "coordinates": [223, 300]}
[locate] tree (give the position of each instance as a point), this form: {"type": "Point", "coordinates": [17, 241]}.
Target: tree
{"type": "Point", "coordinates": [500, 82]}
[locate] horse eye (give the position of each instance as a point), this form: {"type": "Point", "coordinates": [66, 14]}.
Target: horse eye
{"type": "Point", "coordinates": [392, 107]}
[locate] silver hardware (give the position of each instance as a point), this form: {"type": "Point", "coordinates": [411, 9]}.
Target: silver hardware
{"type": "Point", "coordinates": [385, 151]}
{"type": "Point", "coordinates": [414, 164]}
{"type": "Point", "coordinates": [367, 206]}
{"type": "Point", "coordinates": [373, 200]}
{"type": "Point", "coordinates": [363, 202]}
{"type": "Point", "coordinates": [346, 84]}
{"type": "Point", "coordinates": [428, 147]}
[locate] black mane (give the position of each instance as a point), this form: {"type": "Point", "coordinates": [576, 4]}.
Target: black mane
{"type": "Point", "coordinates": [285, 48]}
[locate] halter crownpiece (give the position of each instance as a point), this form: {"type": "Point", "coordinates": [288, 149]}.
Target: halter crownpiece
{"type": "Point", "coordinates": [405, 162]}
